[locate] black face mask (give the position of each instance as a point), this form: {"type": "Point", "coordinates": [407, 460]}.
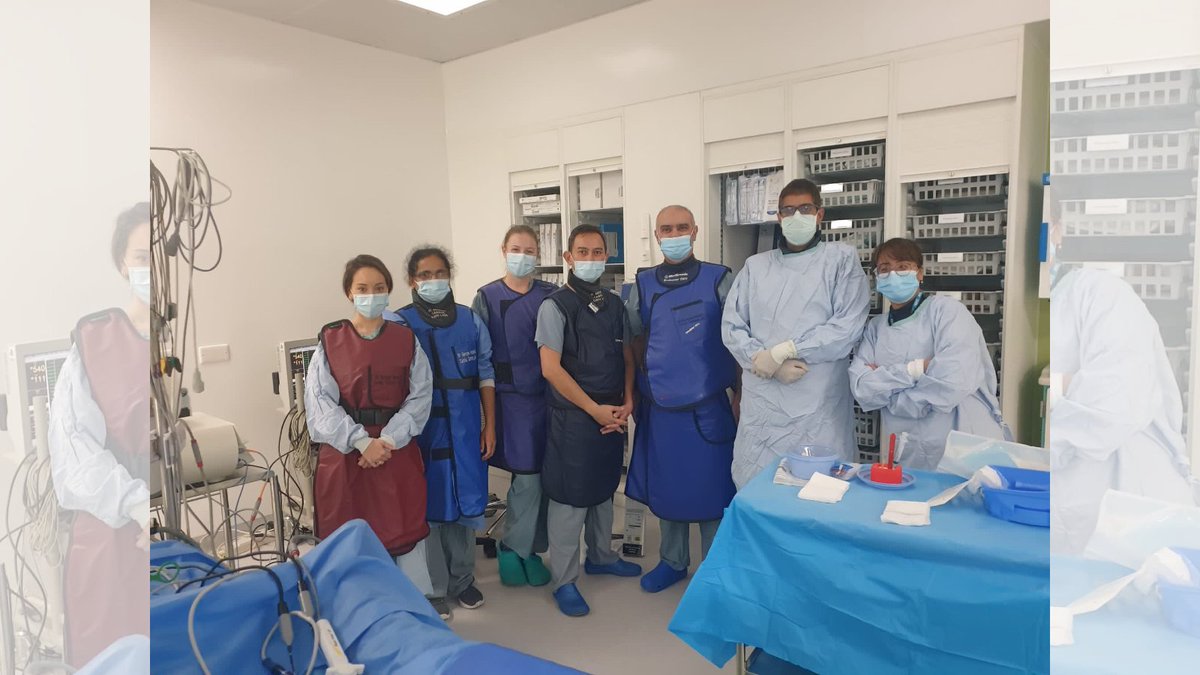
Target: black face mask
{"type": "Point", "coordinates": [592, 294]}
{"type": "Point", "coordinates": [441, 315]}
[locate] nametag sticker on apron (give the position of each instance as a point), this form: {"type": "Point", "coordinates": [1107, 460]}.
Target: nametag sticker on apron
{"type": "Point", "coordinates": [1105, 82]}
{"type": "Point", "coordinates": [1108, 142]}
{"type": "Point", "coordinates": [957, 295]}
{"type": "Point", "coordinates": [951, 218]}
{"type": "Point", "coordinates": [950, 257]}
{"type": "Point", "coordinates": [833, 187]}
{"type": "Point", "coordinates": [841, 224]}
{"type": "Point", "coordinates": [1105, 207]}
{"type": "Point", "coordinates": [841, 152]}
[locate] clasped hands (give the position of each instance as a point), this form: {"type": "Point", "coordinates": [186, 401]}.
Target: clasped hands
{"type": "Point", "coordinates": [612, 418]}
{"type": "Point", "coordinates": [779, 362]}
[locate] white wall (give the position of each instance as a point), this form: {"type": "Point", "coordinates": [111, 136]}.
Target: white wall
{"type": "Point", "coordinates": [653, 50]}
{"type": "Point", "coordinates": [331, 148]}
{"type": "Point", "coordinates": [72, 139]}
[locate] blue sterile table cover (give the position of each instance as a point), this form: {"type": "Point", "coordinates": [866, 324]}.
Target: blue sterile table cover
{"type": "Point", "coordinates": [382, 620]}
{"type": "Point", "coordinates": [832, 589]}
{"type": "Point", "coordinates": [1128, 635]}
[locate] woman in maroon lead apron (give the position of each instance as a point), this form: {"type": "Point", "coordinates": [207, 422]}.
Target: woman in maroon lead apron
{"type": "Point", "coordinates": [99, 444]}
{"type": "Point", "coordinates": [367, 397]}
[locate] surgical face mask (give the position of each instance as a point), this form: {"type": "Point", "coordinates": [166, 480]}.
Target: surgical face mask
{"type": "Point", "coordinates": [434, 290]}
{"type": "Point", "coordinates": [371, 305]}
{"type": "Point", "coordinates": [520, 264]}
{"type": "Point", "coordinates": [898, 287]}
{"type": "Point", "coordinates": [799, 228]}
{"type": "Point", "coordinates": [139, 281]}
{"type": "Point", "coordinates": [589, 270]}
{"type": "Point", "coordinates": [676, 248]}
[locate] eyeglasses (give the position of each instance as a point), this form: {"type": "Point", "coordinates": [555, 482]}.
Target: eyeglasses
{"type": "Point", "coordinates": [804, 209]}
{"type": "Point", "coordinates": [900, 267]}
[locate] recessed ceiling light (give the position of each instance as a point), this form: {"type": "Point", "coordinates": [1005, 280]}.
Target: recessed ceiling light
{"type": "Point", "coordinates": [443, 7]}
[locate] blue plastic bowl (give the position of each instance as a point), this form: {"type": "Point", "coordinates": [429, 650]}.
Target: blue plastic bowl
{"type": "Point", "coordinates": [1024, 496]}
{"type": "Point", "coordinates": [806, 460]}
{"type": "Point", "coordinates": [1181, 607]}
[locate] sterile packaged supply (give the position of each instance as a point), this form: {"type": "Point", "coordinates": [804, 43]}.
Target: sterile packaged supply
{"type": "Point", "coordinates": [1171, 574]}
{"type": "Point", "coordinates": [633, 543]}
{"type": "Point", "coordinates": [967, 453]}
{"type": "Point", "coordinates": [825, 489]}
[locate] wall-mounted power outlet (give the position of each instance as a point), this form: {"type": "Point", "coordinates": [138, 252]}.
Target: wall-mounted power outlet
{"type": "Point", "coordinates": [214, 354]}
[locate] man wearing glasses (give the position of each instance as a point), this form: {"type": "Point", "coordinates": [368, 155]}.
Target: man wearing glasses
{"type": "Point", "coordinates": [792, 318]}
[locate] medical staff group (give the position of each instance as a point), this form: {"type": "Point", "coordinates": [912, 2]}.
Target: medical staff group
{"type": "Point", "coordinates": [721, 376]}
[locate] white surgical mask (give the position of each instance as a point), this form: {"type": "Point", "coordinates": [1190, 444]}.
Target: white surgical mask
{"type": "Point", "coordinates": [434, 290]}
{"type": "Point", "coordinates": [799, 228]}
{"type": "Point", "coordinates": [371, 305]}
{"type": "Point", "coordinates": [589, 270]}
{"type": "Point", "coordinates": [520, 264]}
{"type": "Point", "coordinates": [139, 282]}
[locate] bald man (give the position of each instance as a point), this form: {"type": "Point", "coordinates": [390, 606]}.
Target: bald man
{"type": "Point", "coordinates": [683, 443]}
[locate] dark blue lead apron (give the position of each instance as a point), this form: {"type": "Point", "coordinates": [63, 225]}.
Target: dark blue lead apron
{"type": "Point", "coordinates": [520, 388]}
{"type": "Point", "coordinates": [582, 467]}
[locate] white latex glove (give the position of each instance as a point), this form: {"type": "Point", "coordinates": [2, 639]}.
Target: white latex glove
{"type": "Point", "coordinates": [783, 351]}
{"type": "Point", "coordinates": [791, 371]}
{"type": "Point", "coordinates": [916, 369]}
{"type": "Point", "coordinates": [764, 365]}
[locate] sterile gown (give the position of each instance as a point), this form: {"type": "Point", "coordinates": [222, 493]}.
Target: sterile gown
{"type": "Point", "coordinates": [819, 299]}
{"type": "Point", "coordinates": [956, 393]}
{"type": "Point", "coordinates": [1117, 424]}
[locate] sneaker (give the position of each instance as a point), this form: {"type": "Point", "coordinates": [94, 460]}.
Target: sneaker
{"type": "Point", "coordinates": [535, 571]}
{"type": "Point", "coordinates": [570, 602]}
{"type": "Point", "coordinates": [621, 568]}
{"type": "Point", "coordinates": [662, 577]}
{"type": "Point", "coordinates": [441, 607]}
{"type": "Point", "coordinates": [471, 598]}
{"type": "Point", "coordinates": [512, 569]}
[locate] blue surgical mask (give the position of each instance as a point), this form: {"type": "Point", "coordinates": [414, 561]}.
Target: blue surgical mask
{"type": "Point", "coordinates": [520, 264]}
{"type": "Point", "coordinates": [371, 305]}
{"type": "Point", "coordinates": [434, 290]}
{"type": "Point", "coordinates": [799, 228]}
{"type": "Point", "coordinates": [676, 248]}
{"type": "Point", "coordinates": [589, 270]}
{"type": "Point", "coordinates": [898, 287]}
{"type": "Point", "coordinates": [139, 281]}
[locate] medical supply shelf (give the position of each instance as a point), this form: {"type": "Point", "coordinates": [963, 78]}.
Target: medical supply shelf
{"type": "Point", "coordinates": [1129, 217]}
{"type": "Point", "coordinates": [1124, 153]}
{"type": "Point", "coordinates": [540, 206]}
{"type": "Point", "coordinates": [969, 264]}
{"type": "Point", "coordinates": [849, 162]}
{"type": "Point", "coordinates": [854, 193]}
{"type": "Point", "coordinates": [864, 234]}
{"type": "Point", "coordinates": [1124, 166]}
{"type": "Point", "coordinates": [990, 186]}
{"type": "Point", "coordinates": [959, 225]}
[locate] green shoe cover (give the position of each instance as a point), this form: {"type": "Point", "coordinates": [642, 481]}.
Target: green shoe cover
{"type": "Point", "coordinates": [512, 573]}
{"type": "Point", "coordinates": [535, 572]}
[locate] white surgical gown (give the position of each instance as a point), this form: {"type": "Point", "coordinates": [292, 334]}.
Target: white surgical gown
{"type": "Point", "coordinates": [87, 476]}
{"type": "Point", "coordinates": [818, 299]}
{"type": "Point", "coordinates": [956, 393]}
{"type": "Point", "coordinates": [1118, 422]}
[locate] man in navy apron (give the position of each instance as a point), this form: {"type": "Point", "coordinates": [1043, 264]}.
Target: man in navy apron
{"type": "Point", "coordinates": [683, 444]}
{"type": "Point", "coordinates": [582, 337]}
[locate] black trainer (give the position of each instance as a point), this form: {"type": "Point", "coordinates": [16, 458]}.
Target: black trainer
{"type": "Point", "coordinates": [471, 598]}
